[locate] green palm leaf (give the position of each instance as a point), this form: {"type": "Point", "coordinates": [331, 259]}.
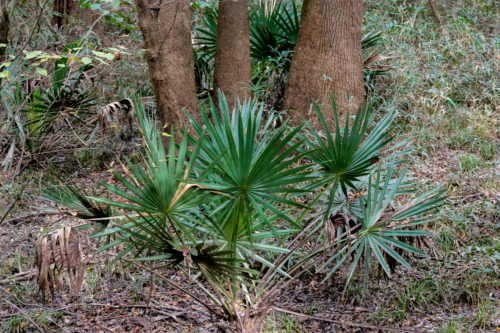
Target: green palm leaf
{"type": "Point", "coordinates": [258, 167]}
{"type": "Point", "coordinates": [376, 236]}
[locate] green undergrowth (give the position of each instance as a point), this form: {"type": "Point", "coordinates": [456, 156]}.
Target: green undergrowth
{"type": "Point", "coordinates": [446, 91]}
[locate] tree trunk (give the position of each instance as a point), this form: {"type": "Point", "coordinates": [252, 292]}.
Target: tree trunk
{"type": "Point", "coordinates": [327, 60]}
{"type": "Point", "coordinates": [435, 12]}
{"type": "Point", "coordinates": [64, 8]}
{"type": "Point", "coordinates": [232, 72]}
{"type": "Point", "coordinates": [90, 19]}
{"type": "Point", "coordinates": [166, 28]}
{"type": "Point", "coordinates": [4, 30]}
{"type": "Point", "coordinates": [70, 8]}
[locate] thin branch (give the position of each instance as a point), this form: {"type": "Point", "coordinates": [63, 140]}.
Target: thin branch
{"type": "Point", "coordinates": [21, 311]}
{"type": "Point", "coordinates": [33, 30]}
{"type": "Point", "coordinates": [349, 324]}
{"type": "Point", "coordinates": [15, 201]}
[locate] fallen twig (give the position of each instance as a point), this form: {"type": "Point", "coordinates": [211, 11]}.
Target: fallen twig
{"type": "Point", "coordinates": [349, 324]}
{"type": "Point", "coordinates": [22, 311]}
{"type": "Point", "coordinates": [37, 214]}
{"type": "Point", "coordinates": [467, 197]}
{"type": "Point", "coordinates": [15, 201]}
{"type": "Point", "coordinates": [20, 276]}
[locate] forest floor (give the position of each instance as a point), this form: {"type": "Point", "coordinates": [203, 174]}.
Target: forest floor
{"type": "Point", "coordinates": [445, 89]}
{"type": "Point", "coordinates": [440, 294]}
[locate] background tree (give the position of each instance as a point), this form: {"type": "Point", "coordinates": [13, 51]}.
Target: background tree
{"type": "Point", "coordinates": [4, 27]}
{"type": "Point", "coordinates": [66, 9]}
{"type": "Point", "coordinates": [4, 30]}
{"type": "Point", "coordinates": [62, 11]}
{"type": "Point", "coordinates": [232, 55]}
{"type": "Point", "coordinates": [327, 58]}
{"type": "Point", "coordinates": [166, 29]}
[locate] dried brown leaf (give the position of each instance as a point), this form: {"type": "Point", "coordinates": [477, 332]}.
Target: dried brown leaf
{"type": "Point", "coordinates": [56, 253]}
{"type": "Point", "coordinates": [374, 57]}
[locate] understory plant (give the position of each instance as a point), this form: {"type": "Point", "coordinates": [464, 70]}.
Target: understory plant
{"type": "Point", "coordinates": [226, 205]}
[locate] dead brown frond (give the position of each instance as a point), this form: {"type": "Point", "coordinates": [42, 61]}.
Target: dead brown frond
{"type": "Point", "coordinates": [374, 57]}
{"type": "Point", "coordinates": [57, 252]}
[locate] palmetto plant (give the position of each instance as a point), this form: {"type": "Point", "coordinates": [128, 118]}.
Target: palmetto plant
{"type": "Point", "coordinates": [39, 114]}
{"type": "Point", "coordinates": [223, 201]}
{"type": "Point", "coordinates": [63, 99]}
{"type": "Point", "coordinates": [220, 207]}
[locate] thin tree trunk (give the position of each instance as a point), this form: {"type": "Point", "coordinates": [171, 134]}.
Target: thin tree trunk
{"type": "Point", "coordinates": [166, 28]}
{"type": "Point", "coordinates": [435, 12]}
{"type": "Point", "coordinates": [4, 30]}
{"type": "Point", "coordinates": [64, 9]}
{"type": "Point", "coordinates": [327, 60]}
{"type": "Point", "coordinates": [70, 8]}
{"type": "Point", "coordinates": [232, 72]}
{"type": "Point", "coordinates": [4, 27]}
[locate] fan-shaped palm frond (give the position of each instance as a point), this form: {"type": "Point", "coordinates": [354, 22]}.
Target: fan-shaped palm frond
{"type": "Point", "coordinates": [257, 168]}
{"type": "Point", "coordinates": [381, 227]}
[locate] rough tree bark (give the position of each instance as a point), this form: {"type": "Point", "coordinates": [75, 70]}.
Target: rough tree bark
{"type": "Point", "coordinates": [327, 59]}
{"type": "Point", "coordinates": [232, 72]}
{"type": "Point", "coordinates": [166, 28]}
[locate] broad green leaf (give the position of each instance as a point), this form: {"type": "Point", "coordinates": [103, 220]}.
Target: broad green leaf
{"type": "Point", "coordinates": [42, 71]}
{"type": "Point", "coordinates": [108, 56]}
{"type": "Point", "coordinates": [31, 55]}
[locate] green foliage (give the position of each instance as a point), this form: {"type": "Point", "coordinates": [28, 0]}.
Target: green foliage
{"type": "Point", "coordinates": [60, 191]}
{"type": "Point", "coordinates": [274, 30]}
{"type": "Point", "coordinates": [469, 162]}
{"type": "Point", "coordinates": [253, 167]}
{"type": "Point", "coordinates": [61, 100]}
{"type": "Point", "coordinates": [15, 324]}
{"type": "Point", "coordinates": [221, 200]}
{"type": "Point", "coordinates": [450, 327]}
{"type": "Point", "coordinates": [347, 155]}
{"type": "Point", "coordinates": [121, 19]}
{"type": "Point", "coordinates": [271, 31]}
